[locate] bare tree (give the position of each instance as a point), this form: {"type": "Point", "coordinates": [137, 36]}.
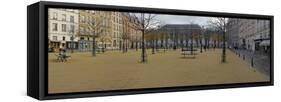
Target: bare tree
{"type": "Point", "coordinates": [147, 21]}
{"type": "Point", "coordinates": [125, 37]}
{"type": "Point", "coordinates": [152, 36]}
{"type": "Point", "coordinates": [166, 38]}
{"type": "Point", "coordinates": [220, 24]}
{"type": "Point", "coordinates": [125, 34]}
{"type": "Point", "coordinates": [96, 27]}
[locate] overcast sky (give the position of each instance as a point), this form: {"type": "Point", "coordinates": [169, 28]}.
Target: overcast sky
{"type": "Point", "coordinates": [180, 19]}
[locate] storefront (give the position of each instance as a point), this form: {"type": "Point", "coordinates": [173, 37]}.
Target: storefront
{"type": "Point", "coordinates": [265, 46]}
{"type": "Point", "coordinates": [71, 45]}
{"type": "Point", "coordinates": [84, 45]}
{"type": "Point", "coordinates": [262, 45]}
{"type": "Point", "coordinates": [54, 46]}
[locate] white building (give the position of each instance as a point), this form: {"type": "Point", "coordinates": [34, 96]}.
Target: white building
{"type": "Point", "coordinates": [262, 41]}
{"type": "Point", "coordinates": [251, 34]}
{"type": "Point", "coordinates": [117, 30]}
{"type": "Point", "coordinates": [247, 33]}
{"type": "Point", "coordinates": [233, 32]}
{"type": "Point", "coordinates": [62, 28]}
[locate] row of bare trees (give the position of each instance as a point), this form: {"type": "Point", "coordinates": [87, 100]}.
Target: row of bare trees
{"type": "Point", "coordinates": [149, 27]}
{"type": "Point", "coordinates": [147, 23]}
{"type": "Point", "coordinates": [219, 23]}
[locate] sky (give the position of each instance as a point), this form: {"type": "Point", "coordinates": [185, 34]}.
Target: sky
{"type": "Point", "coordinates": [181, 19]}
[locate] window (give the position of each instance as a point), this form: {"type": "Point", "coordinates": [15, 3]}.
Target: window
{"type": "Point", "coordinates": [55, 27]}
{"type": "Point", "coordinates": [55, 15]}
{"type": "Point", "coordinates": [84, 30]}
{"type": "Point", "coordinates": [89, 19]}
{"type": "Point", "coordinates": [55, 38]}
{"type": "Point", "coordinates": [63, 38]}
{"type": "Point", "coordinates": [83, 19]}
{"type": "Point", "coordinates": [68, 45]}
{"type": "Point", "coordinates": [63, 27]}
{"type": "Point", "coordinates": [114, 43]}
{"type": "Point", "coordinates": [72, 19]}
{"type": "Point", "coordinates": [63, 17]}
{"type": "Point", "coordinates": [93, 20]}
{"type": "Point", "coordinates": [72, 28]}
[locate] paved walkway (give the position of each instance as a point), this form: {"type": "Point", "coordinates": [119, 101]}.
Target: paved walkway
{"type": "Point", "coordinates": [259, 60]}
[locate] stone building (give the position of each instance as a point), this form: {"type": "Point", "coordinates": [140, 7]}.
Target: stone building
{"type": "Point", "coordinates": [63, 27]}
{"type": "Point", "coordinates": [181, 35]}
{"type": "Point", "coordinates": [250, 34]}
{"type": "Point", "coordinates": [232, 32]}
{"type": "Point", "coordinates": [86, 33]}
{"type": "Point", "coordinates": [117, 26]}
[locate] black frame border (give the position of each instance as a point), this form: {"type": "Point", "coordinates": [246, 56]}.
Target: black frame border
{"type": "Point", "coordinates": [43, 54]}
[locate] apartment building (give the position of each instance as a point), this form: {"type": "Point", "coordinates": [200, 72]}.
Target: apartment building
{"type": "Point", "coordinates": [62, 28]}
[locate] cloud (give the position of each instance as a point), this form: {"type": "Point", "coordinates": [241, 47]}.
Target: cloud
{"type": "Point", "coordinates": [181, 19]}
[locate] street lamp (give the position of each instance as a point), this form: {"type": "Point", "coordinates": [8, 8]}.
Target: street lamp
{"type": "Point", "coordinates": [72, 43]}
{"type": "Point", "coordinates": [191, 44]}
{"type": "Point", "coordinates": [224, 44]}
{"type": "Point", "coordinates": [202, 31]}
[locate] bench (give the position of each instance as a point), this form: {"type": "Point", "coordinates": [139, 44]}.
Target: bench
{"type": "Point", "coordinates": [99, 50]}
{"type": "Point", "coordinates": [62, 58]}
{"type": "Point", "coordinates": [187, 51]}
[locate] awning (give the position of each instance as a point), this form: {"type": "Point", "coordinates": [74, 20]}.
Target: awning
{"type": "Point", "coordinates": [265, 43]}
{"type": "Point", "coordinates": [262, 39]}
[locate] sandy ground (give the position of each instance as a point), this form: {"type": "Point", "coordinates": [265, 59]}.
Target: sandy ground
{"type": "Point", "coordinates": [115, 70]}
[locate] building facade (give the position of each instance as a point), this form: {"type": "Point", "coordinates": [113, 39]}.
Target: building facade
{"type": "Point", "coordinates": [182, 35]}
{"type": "Point", "coordinates": [86, 33]}
{"type": "Point", "coordinates": [117, 28]}
{"type": "Point", "coordinates": [232, 33]}
{"type": "Point", "coordinates": [250, 34]}
{"type": "Point", "coordinates": [262, 41]}
{"type": "Point", "coordinates": [77, 29]}
{"type": "Point", "coordinates": [63, 27]}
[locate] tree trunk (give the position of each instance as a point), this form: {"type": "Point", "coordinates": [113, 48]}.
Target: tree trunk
{"type": "Point", "coordinates": [201, 45]}
{"type": "Point", "coordinates": [103, 47]}
{"type": "Point", "coordinates": [153, 47]}
{"type": "Point", "coordinates": [191, 47]}
{"type": "Point", "coordinates": [224, 48]}
{"type": "Point", "coordinates": [123, 46]}
{"type": "Point", "coordinates": [127, 44]}
{"type": "Point", "coordinates": [94, 46]}
{"type": "Point", "coordinates": [143, 54]}
{"type": "Point", "coordinates": [136, 46]}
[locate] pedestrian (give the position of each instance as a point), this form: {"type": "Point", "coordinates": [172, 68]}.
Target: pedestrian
{"type": "Point", "coordinates": [62, 55]}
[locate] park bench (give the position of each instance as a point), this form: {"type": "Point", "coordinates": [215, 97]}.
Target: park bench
{"type": "Point", "coordinates": [62, 58]}
{"type": "Point", "coordinates": [99, 50]}
{"type": "Point", "coordinates": [187, 51]}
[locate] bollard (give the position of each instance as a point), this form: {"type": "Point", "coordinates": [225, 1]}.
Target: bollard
{"type": "Point", "coordinates": [252, 62]}
{"type": "Point", "coordinates": [243, 57]}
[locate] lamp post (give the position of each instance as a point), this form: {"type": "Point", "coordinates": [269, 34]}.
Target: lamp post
{"type": "Point", "coordinates": [72, 43]}
{"type": "Point", "coordinates": [191, 44]}
{"type": "Point", "coordinates": [224, 44]}
{"type": "Point", "coordinates": [94, 44]}
{"type": "Point", "coordinates": [202, 31]}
